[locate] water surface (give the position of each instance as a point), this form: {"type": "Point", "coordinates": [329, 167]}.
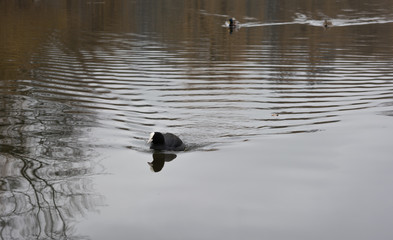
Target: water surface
{"type": "Point", "coordinates": [287, 123]}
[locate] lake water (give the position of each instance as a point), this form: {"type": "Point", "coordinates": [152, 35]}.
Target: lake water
{"type": "Point", "coordinates": [288, 124]}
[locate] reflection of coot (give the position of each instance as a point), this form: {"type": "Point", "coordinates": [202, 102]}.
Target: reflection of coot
{"type": "Point", "coordinates": [159, 160]}
{"type": "Point", "coordinates": [166, 141]}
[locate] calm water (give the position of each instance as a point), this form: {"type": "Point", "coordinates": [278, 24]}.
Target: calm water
{"type": "Point", "coordinates": [288, 125]}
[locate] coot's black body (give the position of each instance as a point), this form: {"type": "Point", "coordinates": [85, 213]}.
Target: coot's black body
{"type": "Point", "coordinates": [166, 141]}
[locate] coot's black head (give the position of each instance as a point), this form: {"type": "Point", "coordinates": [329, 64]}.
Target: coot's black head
{"type": "Point", "coordinates": [157, 138]}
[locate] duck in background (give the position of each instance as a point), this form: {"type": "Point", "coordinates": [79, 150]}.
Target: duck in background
{"type": "Point", "coordinates": [232, 24]}
{"type": "Point", "coordinates": [327, 24]}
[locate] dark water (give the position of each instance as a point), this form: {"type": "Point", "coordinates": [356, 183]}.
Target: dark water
{"type": "Point", "coordinates": [288, 124]}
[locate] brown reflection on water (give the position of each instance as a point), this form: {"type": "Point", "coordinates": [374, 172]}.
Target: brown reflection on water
{"type": "Point", "coordinates": [30, 24]}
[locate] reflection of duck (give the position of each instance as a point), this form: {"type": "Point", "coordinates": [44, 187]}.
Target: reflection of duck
{"type": "Point", "coordinates": [327, 24]}
{"type": "Point", "coordinates": [165, 141]}
{"type": "Point", "coordinates": [159, 160]}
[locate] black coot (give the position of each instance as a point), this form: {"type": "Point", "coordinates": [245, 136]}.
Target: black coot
{"type": "Point", "coordinates": [166, 141]}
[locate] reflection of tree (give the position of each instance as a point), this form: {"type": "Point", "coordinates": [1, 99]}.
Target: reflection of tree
{"type": "Point", "coordinates": [45, 168]}
{"type": "Point", "coordinates": [44, 171]}
{"type": "Point", "coordinates": [41, 201]}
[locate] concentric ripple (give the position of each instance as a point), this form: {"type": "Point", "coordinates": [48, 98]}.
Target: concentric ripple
{"type": "Point", "coordinates": [136, 85]}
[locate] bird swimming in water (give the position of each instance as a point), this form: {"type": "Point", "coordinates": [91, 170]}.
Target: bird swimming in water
{"type": "Point", "coordinates": [166, 141]}
{"type": "Point", "coordinates": [232, 23]}
{"type": "Point", "coordinates": [327, 24]}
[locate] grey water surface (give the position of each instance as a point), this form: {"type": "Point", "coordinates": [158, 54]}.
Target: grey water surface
{"type": "Point", "coordinates": [288, 123]}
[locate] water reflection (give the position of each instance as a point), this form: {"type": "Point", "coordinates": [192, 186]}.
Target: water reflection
{"type": "Point", "coordinates": [42, 200]}
{"type": "Point", "coordinates": [45, 184]}
{"type": "Point", "coordinates": [193, 77]}
{"type": "Point", "coordinates": [45, 168]}
{"type": "Point", "coordinates": [76, 76]}
{"type": "Point", "coordinates": [159, 160]}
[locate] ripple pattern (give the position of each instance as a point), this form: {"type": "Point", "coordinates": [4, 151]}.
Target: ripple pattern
{"type": "Point", "coordinates": [135, 85]}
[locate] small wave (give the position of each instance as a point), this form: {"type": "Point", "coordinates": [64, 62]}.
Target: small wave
{"type": "Point", "coordinates": [342, 22]}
